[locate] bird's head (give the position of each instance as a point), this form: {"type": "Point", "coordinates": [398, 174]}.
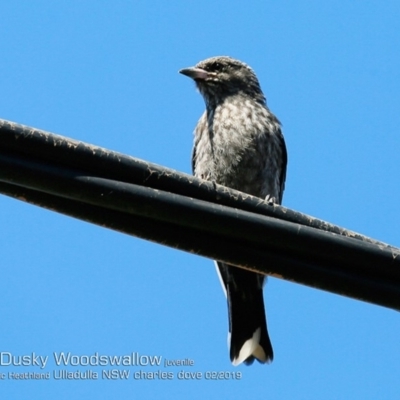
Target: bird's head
{"type": "Point", "coordinates": [220, 77]}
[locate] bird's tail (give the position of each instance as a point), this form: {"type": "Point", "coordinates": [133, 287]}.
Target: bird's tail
{"type": "Point", "coordinates": [248, 334]}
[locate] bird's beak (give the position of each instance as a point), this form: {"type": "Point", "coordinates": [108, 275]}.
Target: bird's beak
{"type": "Point", "coordinates": [195, 73]}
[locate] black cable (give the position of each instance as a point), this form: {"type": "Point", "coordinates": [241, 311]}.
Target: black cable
{"type": "Point", "coordinates": [154, 203]}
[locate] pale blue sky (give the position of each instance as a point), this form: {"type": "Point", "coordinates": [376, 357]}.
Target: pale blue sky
{"type": "Point", "coordinates": [107, 73]}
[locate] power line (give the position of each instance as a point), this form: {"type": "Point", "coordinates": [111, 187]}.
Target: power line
{"type": "Point", "coordinates": [158, 204]}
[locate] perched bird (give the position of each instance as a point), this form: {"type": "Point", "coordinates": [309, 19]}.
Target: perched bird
{"type": "Point", "coordinates": [238, 143]}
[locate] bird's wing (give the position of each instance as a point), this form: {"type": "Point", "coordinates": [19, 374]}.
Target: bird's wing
{"type": "Point", "coordinates": [282, 176]}
{"type": "Point", "coordinates": [200, 127]}
{"type": "Point", "coordinates": [194, 159]}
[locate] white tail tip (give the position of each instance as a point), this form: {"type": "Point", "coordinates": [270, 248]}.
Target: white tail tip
{"type": "Point", "coordinates": [251, 347]}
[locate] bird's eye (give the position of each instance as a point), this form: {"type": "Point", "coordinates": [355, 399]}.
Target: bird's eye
{"type": "Point", "coordinates": [217, 67]}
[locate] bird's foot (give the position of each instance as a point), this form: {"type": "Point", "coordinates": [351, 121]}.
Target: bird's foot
{"type": "Point", "coordinates": [270, 200]}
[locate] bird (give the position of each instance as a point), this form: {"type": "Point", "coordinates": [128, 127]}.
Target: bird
{"type": "Point", "coordinates": [238, 143]}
